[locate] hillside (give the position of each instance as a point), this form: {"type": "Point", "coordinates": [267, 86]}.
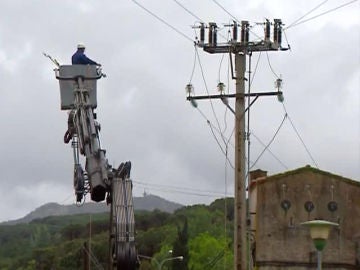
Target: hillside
{"type": "Point", "coordinates": [56, 242]}
{"type": "Point", "coordinates": [147, 203]}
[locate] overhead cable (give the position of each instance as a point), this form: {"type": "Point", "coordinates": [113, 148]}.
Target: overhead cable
{"type": "Point", "coordinates": [216, 139]}
{"type": "Point", "coordinates": [288, 117]}
{"type": "Point", "coordinates": [232, 16]}
{"type": "Point", "coordinates": [256, 66]}
{"type": "Point", "coordinates": [271, 153]}
{"type": "Point", "coordinates": [192, 14]}
{"type": "Point", "coordinates": [212, 127]}
{"type": "Point", "coordinates": [224, 9]}
{"type": "Point", "coordinates": [307, 13]}
{"type": "Point", "coordinates": [181, 190]}
{"type": "Point", "coordinates": [321, 14]}
{"type": "Point", "coordinates": [163, 21]}
{"type": "Point", "coordinates": [193, 69]}
{"type": "Point", "coordinates": [93, 259]}
{"type": "Point", "coordinates": [67, 198]}
{"type": "Point", "coordinates": [228, 90]}
{"type": "Point", "coordinates": [291, 122]}
{"type": "Point", "coordinates": [298, 135]}
{"type": "Point", "coordinates": [222, 150]}
{"type": "Point", "coordinates": [176, 187]}
{"type": "Point", "coordinates": [287, 41]}
{"type": "Point", "coordinates": [270, 142]}
{"type": "Point", "coordinates": [207, 91]}
{"type": "Point", "coordinates": [189, 11]}
{"type": "Point", "coordinates": [219, 72]}
{"type": "Point", "coordinates": [271, 68]}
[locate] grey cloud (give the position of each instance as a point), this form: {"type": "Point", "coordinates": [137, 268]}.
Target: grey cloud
{"type": "Point", "coordinates": [141, 104]}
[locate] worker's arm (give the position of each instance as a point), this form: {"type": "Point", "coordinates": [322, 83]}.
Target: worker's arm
{"type": "Point", "coordinates": [87, 60]}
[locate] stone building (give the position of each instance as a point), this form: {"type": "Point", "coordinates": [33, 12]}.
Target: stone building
{"type": "Point", "coordinates": [279, 203]}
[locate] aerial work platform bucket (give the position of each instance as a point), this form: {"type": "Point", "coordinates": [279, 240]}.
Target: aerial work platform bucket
{"type": "Point", "coordinates": [68, 76]}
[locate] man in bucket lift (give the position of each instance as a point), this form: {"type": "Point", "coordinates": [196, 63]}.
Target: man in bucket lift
{"type": "Point", "coordinates": [79, 57]}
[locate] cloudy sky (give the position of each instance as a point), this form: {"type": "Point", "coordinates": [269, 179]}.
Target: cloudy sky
{"type": "Point", "coordinates": [149, 57]}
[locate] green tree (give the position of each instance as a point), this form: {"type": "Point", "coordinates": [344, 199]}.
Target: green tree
{"type": "Point", "coordinates": [145, 265]}
{"type": "Point", "coordinates": [73, 231]}
{"type": "Point", "coordinates": [146, 220]}
{"type": "Point", "coordinates": [207, 252]}
{"type": "Point", "coordinates": [151, 241]}
{"type": "Point", "coordinates": [180, 247]}
{"type": "Point", "coordinates": [45, 258]}
{"type": "Point", "coordinates": [224, 205]}
{"type": "Point", "coordinates": [31, 265]}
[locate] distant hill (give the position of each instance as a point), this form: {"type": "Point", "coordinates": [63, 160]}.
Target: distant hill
{"type": "Point", "coordinates": [147, 203]}
{"type": "Point", "coordinates": [57, 242]}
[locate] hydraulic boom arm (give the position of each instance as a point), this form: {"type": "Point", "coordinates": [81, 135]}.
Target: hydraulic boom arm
{"type": "Point", "coordinates": [78, 95]}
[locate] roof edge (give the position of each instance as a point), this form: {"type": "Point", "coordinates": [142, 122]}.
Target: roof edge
{"type": "Point", "coordinates": [308, 168]}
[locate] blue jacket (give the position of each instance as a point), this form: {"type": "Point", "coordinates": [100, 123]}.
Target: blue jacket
{"type": "Point", "coordinates": [79, 58]}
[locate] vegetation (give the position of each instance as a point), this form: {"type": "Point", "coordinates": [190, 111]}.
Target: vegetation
{"type": "Point", "coordinates": [201, 234]}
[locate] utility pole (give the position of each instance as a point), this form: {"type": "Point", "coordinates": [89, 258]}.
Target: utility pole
{"type": "Point", "coordinates": [240, 190]}
{"type": "Point", "coordinates": [240, 50]}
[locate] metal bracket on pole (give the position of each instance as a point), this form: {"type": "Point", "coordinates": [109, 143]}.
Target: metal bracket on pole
{"type": "Point", "coordinates": [220, 96]}
{"type": "Point", "coordinates": [224, 97]}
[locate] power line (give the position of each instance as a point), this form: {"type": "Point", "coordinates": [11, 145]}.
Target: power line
{"type": "Point", "coordinates": [189, 11]}
{"type": "Point", "coordinates": [219, 72]}
{"type": "Point", "coordinates": [193, 69]}
{"type": "Point", "coordinates": [324, 13]}
{"type": "Point", "coordinates": [271, 68]}
{"type": "Point", "coordinates": [298, 135]}
{"type": "Point", "coordinates": [163, 21]}
{"type": "Point", "coordinates": [224, 9]}
{"type": "Point", "coordinates": [207, 91]}
{"type": "Point", "coordinates": [270, 142]}
{"type": "Point", "coordinates": [287, 42]}
{"type": "Point", "coordinates": [228, 142]}
{"type": "Point", "coordinates": [256, 67]}
{"type": "Point", "coordinates": [182, 190]}
{"type": "Point", "coordinates": [209, 122]}
{"type": "Point", "coordinates": [93, 259]}
{"type": "Point", "coordinates": [271, 153]}
{"type": "Point", "coordinates": [226, 109]}
{"type": "Point", "coordinates": [232, 16]}
{"type": "Point", "coordinates": [307, 13]}
{"type": "Point", "coordinates": [176, 187]}
{"type": "Point", "coordinates": [222, 150]}
{"type": "Point", "coordinates": [227, 106]}
{"type": "Point", "coordinates": [291, 122]}
{"type": "Point", "coordinates": [192, 14]}
{"type": "Point", "coordinates": [67, 198]}
{"type": "Point", "coordinates": [212, 127]}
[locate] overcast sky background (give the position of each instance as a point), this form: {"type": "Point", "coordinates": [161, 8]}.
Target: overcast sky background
{"type": "Point", "coordinates": [142, 104]}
